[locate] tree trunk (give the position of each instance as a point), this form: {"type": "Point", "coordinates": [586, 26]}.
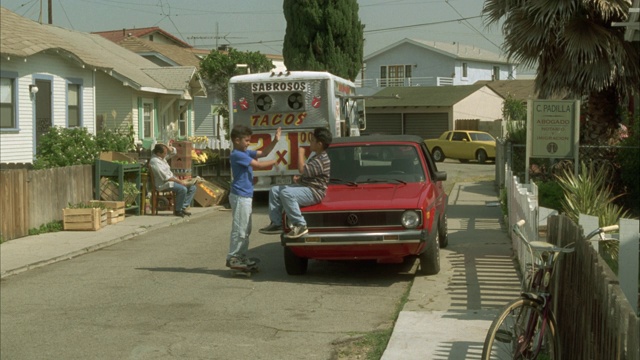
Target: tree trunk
{"type": "Point", "coordinates": [601, 118]}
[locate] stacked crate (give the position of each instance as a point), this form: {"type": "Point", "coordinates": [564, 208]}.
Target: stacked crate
{"type": "Point", "coordinates": [181, 162]}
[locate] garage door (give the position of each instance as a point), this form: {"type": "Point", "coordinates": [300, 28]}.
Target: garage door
{"type": "Point", "coordinates": [427, 126]}
{"type": "Point", "coordinates": [390, 124]}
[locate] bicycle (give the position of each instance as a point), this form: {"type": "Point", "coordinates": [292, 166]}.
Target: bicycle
{"type": "Point", "coordinates": [526, 327]}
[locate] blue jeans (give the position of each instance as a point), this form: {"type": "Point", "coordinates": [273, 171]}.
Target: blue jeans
{"type": "Point", "coordinates": [240, 225]}
{"type": "Point", "coordinates": [184, 195]}
{"type": "Point", "coordinates": [289, 198]}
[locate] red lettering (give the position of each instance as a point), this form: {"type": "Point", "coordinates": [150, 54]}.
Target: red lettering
{"type": "Point", "coordinates": [277, 118]}
{"type": "Point", "coordinates": [254, 119]}
{"type": "Point", "coordinates": [301, 117]}
{"type": "Point", "coordinates": [288, 120]}
{"type": "Point", "coordinates": [265, 121]}
{"type": "Point", "coordinates": [281, 157]}
{"type": "Point", "coordinates": [293, 146]}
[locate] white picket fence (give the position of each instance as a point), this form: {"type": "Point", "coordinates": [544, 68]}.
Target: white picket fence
{"type": "Point", "coordinates": [522, 202]}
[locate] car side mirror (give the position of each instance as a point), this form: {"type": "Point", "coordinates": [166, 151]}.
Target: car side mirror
{"type": "Point", "coordinates": [441, 176]}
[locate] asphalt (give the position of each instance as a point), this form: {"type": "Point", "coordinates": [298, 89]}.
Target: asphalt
{"type": "Point", "coordinates": [446, 316]}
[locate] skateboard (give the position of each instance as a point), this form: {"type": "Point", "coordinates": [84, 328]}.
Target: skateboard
{"type": "Point", "coordinates": [247, 271]}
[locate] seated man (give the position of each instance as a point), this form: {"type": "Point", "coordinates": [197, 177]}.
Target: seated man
{"type": "Point", "coordinates": [166, 180]}
{"type": "Point", "coordinates": [310, 187]}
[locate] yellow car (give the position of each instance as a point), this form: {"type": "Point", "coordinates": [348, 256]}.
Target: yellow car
{"type": "Point", "coordinates": [463, 145]}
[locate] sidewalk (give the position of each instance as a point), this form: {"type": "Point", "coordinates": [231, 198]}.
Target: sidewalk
{"type": "Point", "coordinates": [34, 251]}
{"type": "Point", "coordinates": [447, 316]}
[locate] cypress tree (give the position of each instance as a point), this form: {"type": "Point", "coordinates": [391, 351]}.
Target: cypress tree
{"type": "Point", "coordinates": [323, 35]}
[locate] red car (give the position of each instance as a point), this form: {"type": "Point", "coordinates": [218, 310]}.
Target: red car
{"type": "Point", "coordinates": [385, 202]}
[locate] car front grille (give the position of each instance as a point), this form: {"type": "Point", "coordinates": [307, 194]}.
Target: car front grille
{"type": "Point", "coordinates": [354, 219]}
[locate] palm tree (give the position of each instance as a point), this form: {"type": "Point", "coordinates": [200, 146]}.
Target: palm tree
{"type": "Point", "coordinates": [578, 53]}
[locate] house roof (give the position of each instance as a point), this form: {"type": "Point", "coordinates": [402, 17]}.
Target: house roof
{"type": "Point", "coordinates": [21, 37]}
{"type": "Point", "coordinates": [452, 50]}
{"type": "Point", "coordinates": [177, 54]}
{"type": "Point", "coordinates": [518, 89]}
{"type": "Point", "coordinates": [118, 35]}
{"type": "Point", "coordinates": [421, 96]}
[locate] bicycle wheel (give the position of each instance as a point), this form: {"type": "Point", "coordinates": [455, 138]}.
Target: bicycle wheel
{"type": "Point", "coordinates": [518, 333]}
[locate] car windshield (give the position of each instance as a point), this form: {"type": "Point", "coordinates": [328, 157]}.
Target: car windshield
{"type": "Point", "coordinates": [481, 137]}
{"type": "Point", "coordinates": [398, 164]}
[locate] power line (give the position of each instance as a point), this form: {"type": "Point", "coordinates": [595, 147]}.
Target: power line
{"type": "Point", "coordinates": [469, 24]}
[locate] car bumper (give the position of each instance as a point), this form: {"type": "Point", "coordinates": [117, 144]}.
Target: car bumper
{"type": "Point", "coordinates": [383, 246]}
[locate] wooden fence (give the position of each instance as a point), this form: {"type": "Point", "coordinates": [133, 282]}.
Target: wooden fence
{"type": "Point", "coordinates": [31, 198]}
{"type": "Point", "coordinates": [595, 320]}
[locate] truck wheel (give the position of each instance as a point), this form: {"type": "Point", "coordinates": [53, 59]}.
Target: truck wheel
{"type": "Point", "coordinates": [443, 232]}
{"type": "Point", "coordinates": [430, 257]}
{"type": "Point", "coordinates": [481, 156]}
{"type": "Point", "coordinates": [294, 264]}
{"type": "Point", "coordinates": [438, 155]}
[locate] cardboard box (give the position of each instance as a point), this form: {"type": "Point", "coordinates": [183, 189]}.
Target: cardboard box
{"type": "Point", "coordinates": [115, 210]}
{"type": "Point", "coordinates": [87, 219]}
{"type": "Point", "coordinates": [116, 156]}
{"type": "Point", "coordinates": [183, 148]}
{"type": "Point", "coordinates": [208, 194]}
{"type": "Point", "coordinates": [181, 162]}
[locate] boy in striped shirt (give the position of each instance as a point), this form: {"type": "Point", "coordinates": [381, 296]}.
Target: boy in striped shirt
{"type": "Point", "coordinates": [309, 189]}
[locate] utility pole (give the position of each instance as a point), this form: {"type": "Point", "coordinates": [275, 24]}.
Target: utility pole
{"type": "Point", "coordinates": [50, 11]}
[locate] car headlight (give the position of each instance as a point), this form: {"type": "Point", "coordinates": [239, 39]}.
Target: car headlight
{"type": "Point", "coordinates": [410, 219]}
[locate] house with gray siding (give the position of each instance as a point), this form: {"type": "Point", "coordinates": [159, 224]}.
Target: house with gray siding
{"type": "Point", "coordinates": [51, 76]}
{"type": "Point", "coordinates": [413, 62]}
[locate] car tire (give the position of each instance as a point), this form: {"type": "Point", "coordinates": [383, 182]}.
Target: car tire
{"type": "Point", "coordinates": [443, 232]}
{"type": "Point", "coordinates": [430, 257]}
{"type": "Point", "coordinates": [438, 155]}
{"type": "Point", "coordinates": [294, 264]}
{"type": "Point", "coordinates": [481, 156]}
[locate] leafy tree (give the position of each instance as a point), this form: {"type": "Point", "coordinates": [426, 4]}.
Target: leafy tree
{"type": "Point", "coordinates": [578, 51]}
{"type": "Point", "coordinates": [324, 35]}
{"type": "Point", "coordinates": [218, 67]}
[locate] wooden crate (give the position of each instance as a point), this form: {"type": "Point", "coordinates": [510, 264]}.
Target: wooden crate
{"type": "Point", "coordinates": [115, 210]}
{"type": "Point", "coordinates": [108, 190]}
{"type": "Point", "coordinates": [208, 194]}
{"type": "Point", "coordinates": [91, 219]}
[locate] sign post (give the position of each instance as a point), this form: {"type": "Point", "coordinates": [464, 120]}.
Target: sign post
{"type": "Point", "coordinates": [553, 128]}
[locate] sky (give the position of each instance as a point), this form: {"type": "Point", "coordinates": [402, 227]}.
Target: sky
{"type": "Point", "coordinates": [259, 25]}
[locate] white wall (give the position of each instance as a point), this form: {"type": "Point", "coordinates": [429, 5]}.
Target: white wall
{"type": "Point", "coordinates": [19, 146]}
{"type": "Point", "coordinates": [484, 105]}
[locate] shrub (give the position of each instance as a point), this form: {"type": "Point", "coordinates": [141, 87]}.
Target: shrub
{"type": "Point", "coordinates": [550, 194]}
{"type": "Point", "coordinates": [116, 140]}
{"type": "Point", "coordinates": [65, 147]}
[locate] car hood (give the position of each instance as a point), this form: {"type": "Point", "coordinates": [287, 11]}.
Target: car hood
{"type": "Point", "coordinates": [372, 196]}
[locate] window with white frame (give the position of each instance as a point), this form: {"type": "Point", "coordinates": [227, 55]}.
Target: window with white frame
{"type": "Point", "coordinates": [182, 123]}
{"type": "Point", "coordinates": [7, 103]}
{"type": "Point", "coordinates": [73, 105]}
{"type": "Point", "coordinates": [147, 118]}
{"type": "Point", "coordinates": [496, 73]}
{"type": "Point", "coordinates": [394, 75]}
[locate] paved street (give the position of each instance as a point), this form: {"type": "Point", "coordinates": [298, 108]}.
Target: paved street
{"type": "Point", "coordinates": [167, 295]}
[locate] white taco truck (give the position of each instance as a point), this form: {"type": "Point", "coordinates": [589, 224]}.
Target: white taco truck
{"type": "Point", "coordinates": [297, 101]}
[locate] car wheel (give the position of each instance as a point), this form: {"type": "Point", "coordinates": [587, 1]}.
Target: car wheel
{"type": "Point", "coordinates": [430, 258]}
{"type": "Point", "coordinates": [443, 232]}
{"type": "Point", "coordinates": [481, 156]}
{"type": "Point", "coordinates": [294, 264]}
{"type": "Point", "coordinates": [438, 155]}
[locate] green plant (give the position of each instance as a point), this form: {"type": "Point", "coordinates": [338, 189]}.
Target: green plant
{"type": "Point", "coordinates": [119, 140]}
{"type": "Point", "coordinates": [130, 190]}
{"type": "Point", "coordinates": [53, 226]}
{"type": "Point", "coordinates": [65, 147]}
{"type": "Point", "coordinates": [589, 193]}
{"type": "Point", "coordinates": [550, 194]}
